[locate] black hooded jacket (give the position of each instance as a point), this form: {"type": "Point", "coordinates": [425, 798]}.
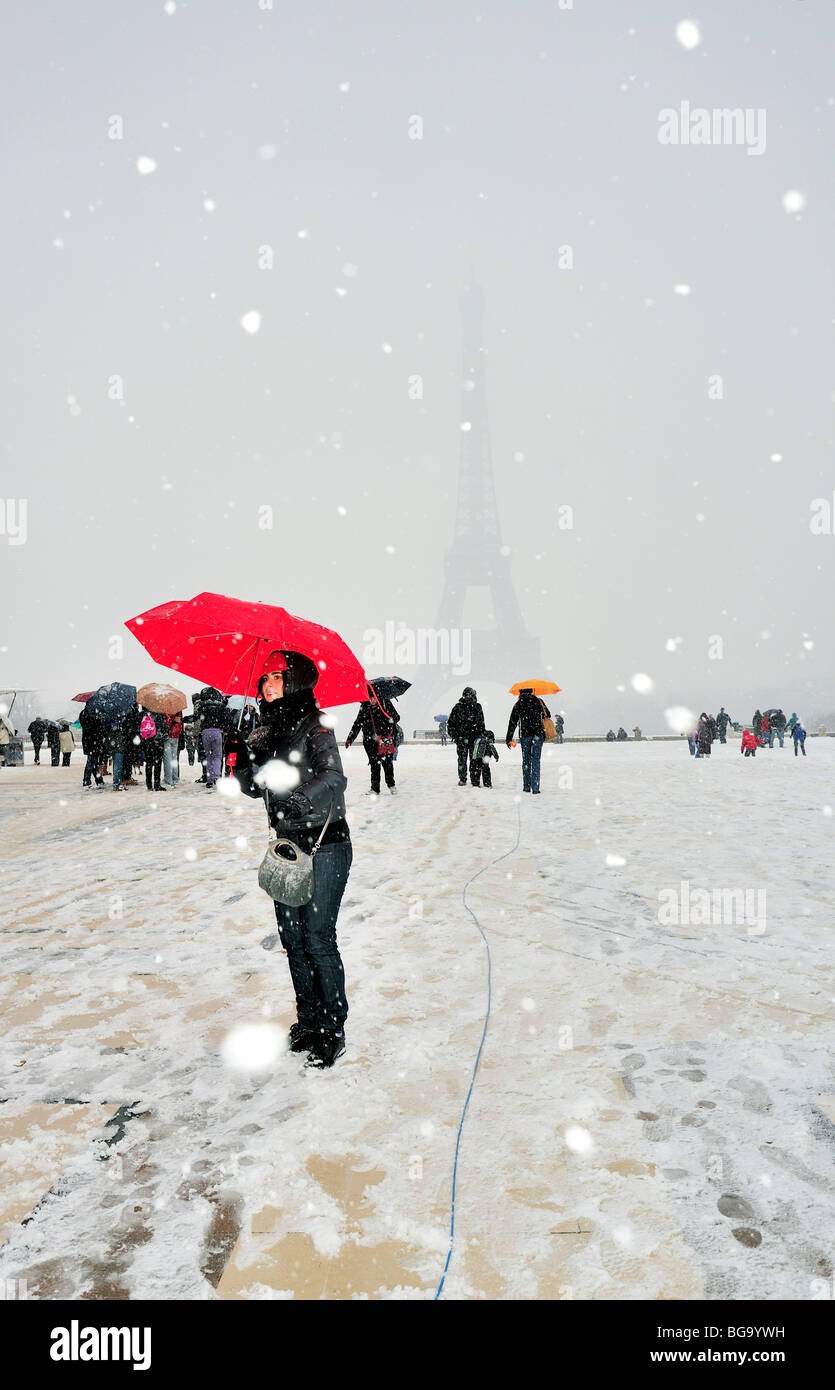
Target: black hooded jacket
{"type": "Point", "coordinates": [527, 713]}
{"type": "Point", "coordinates": [373, 721]}
{"type": "Point", "coordinates": [292, 733]}
{"type": "Point", "coordinates": [466, 718]}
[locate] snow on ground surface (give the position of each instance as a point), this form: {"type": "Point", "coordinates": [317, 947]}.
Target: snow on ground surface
{"type": "Point", "coordinates": [653, 1116]}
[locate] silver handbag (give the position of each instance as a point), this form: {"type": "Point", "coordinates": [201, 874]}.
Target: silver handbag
{"type": "Point", "coordinates": [286, 872]}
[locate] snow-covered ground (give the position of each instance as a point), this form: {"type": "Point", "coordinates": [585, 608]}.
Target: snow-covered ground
{"type": "Point", "coordinates": [653, 1114]}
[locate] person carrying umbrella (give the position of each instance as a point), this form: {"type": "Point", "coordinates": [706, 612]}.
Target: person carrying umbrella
{"type": "Point", "coordinates": [294, 756]}
{"type": "Point", "coordinates": [93, 744]}
{"type": "Point", "coordinates": [465, 723]}
{"type": "Point", "coordinates": [377, 718]}
{"type": "Point", "coordinates": [528, 713]}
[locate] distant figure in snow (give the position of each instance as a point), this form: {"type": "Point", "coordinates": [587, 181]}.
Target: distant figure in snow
{"type": "Point", "coordinates": [53, 738]}
{"type": "Point", "coordinates": [799, 737]}
{"type": "Point", "coordinates": [692, 737]}
{"type": "Point", "coordinates": [484, 749]}
{"type": "Point", "coordinates": [214, 718]}
{"type": "Point", "coordinates": [465, 723]}
{"type": "Point", "coordinates": [765, 730]}
{"type": "Point", "coordinates": [94, 745]}
{"type": "Point", "coordinates": [611, 736]}
{"type": "Point", "coordinates": [188, 739]}
{"type": "Point", "coordinates": [528, 713]}
{"type": "Point", "coordinates": [636, 733]}
{"type": "Point", "coordinates": [37, 733]}
{"type": "Point", "coordinates": [153, 730]}
{"type": "Point", "coordinates": [704, 735]}
{"type": "Point", "coordinates": [171, 750]}
{"type": "Point", "coordinates": [66, 743]}
{"type": "Point", "coordinates": [376, 724]}
{"type": "Point", "coordinates": [757, 722]}
{"type": "Point", "coordinates": [778, 726]}
{"type": "Point", "coordinates": [723, 719]}
{"type": "Point", "coordinates": [559, 725]}
{"type": "Point", "coordinates": [622, 734]}
{"type": "Point", "coordinates": [750, 743]}
{"type": "Point", "coordinates": [790, 725]}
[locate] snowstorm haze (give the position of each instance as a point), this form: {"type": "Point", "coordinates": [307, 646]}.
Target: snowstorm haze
{"type": "Point", "coordinates": [284, 137]}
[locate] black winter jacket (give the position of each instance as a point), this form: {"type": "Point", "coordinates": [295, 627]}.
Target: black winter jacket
{"type": "Point", "coordinates": [466, 720]}
{"type": "Point", "coordinates": [322, 780]}
{"type": "Point", "coordinates": [93, 734]}
{"type": "Point", "coordinates": [527, 713]}
{"type": "Point", "coordinates": [369, 710]}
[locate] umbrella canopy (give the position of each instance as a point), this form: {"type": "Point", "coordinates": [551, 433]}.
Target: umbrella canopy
{"type": "Point", "coordinates": [112, 701]}
{"type": "Point", "coordinates": [237, 702]}
{"type": "Point", "coordinates": [389, 687]}
{"type": "Point", "coordinates": [225, 642]}
{"type": "Point", "coordinates": [538, 687]}
{"type": "Point", "coordinates": [82, 699]}
{"type": "Point", "coordinates": [161, 699]}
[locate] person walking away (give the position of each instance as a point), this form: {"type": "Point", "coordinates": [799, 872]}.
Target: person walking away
{"type": "Point", "coordinates": [799, 738]}
{"type": "Point", "coordinates": [133, 745]}
{"type": "Point", "coordinates": [116, 749]}
{"type": "Point", "coordinates": [171, 751]}
{"type": "Point", "coordinates": [53, 742]}
{"type": "Point", "coordinates": [291, 730]}
{"type": "Point", "coordinates": [723, 719]}
{"type": "Point", "coordinates": [212, 720]}
{"type": "Point", "coordinates": [188, 737]}
{"type": "Point", "coordinates": [442, 730]}
{"type": "Point", "coordinates": [766, 731]}
{"type": "Point", "coordinates": [778, 725]}
{"type": "Point", "coordinates": [704, 736]}
{"type": "Point", "coordinates": [791, 723]}
{"type": "Point", "coordinates": [66, 743]}
{"type": "Point", "coordinates": [93, 744]}
{"type": "Point", "coordinates": [378, 728]}
{"type": "Point", "coordinates": [757, 722]}
{"type": "Point", "coordinates": [559, 725]}
{"type": "Point", "coordinates": [153, 730]}
{"type": "Point", "coordinates": [484, 749]}
{"type": "Point", "coordinates": [750, 743]}
{"type": "Point", "coordinates": [528, 713]}
{"type": "Point", "coordinates": [465, 723]}
{"type": "Point", "coordinates": [37, 733]}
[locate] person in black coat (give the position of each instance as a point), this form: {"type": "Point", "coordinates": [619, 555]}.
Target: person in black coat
{"type": "Point", "coordinates": [93, 743]}
{"type": "Point", "coordinates": [465, 723]}
{"type": "Point", "coordinates": [303, 784]}
{"type": "Point", "coordinates": [154, 748]}
{"type": "Point", "coordinates": [527, 713]}
{"type": "Point", "coordinates": [704, 735]}
{"type": "Point", "coordinates": [376, 723]}
{"type": "Point", "coordinates": [54, 743]}
{"type": "Point", "coordinates": [37, 733]}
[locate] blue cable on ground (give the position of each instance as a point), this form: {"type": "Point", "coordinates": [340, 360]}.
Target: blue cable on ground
{"type": "Point", "coordinates": [481, 871]}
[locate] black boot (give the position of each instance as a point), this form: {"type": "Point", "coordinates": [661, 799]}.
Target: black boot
{"type": "Point", "coordinates": [327, 1046]}
{"type": "Point", "coordinates": [301, 1038]}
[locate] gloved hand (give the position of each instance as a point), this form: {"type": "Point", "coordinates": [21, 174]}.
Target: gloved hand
{"type": "Point", "coordinates": [348, 742]}
{"type": "Point", "coordinates": [508, 742]}
{"type": "Point", "coordinates": [296, 807]}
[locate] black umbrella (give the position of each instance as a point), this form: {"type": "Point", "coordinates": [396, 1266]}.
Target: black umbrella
{"type": "Point", "coordinates": [389, 687]}
{"type": "Point", "coordinates": [112, 701]}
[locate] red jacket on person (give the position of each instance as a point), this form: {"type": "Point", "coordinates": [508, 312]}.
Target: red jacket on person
{"type": "Point", "coordinates": [750, 740]}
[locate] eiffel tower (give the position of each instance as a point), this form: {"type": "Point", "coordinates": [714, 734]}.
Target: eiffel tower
{"type": "Point", "coordinates": [475, 558]}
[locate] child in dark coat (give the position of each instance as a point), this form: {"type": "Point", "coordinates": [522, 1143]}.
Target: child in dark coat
{"type": "Point", "coordinates": [484, 749]}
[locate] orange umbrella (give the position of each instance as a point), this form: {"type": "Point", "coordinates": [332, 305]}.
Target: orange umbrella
{"type": "Point", "coordinates": [161, 698]}
{"type": "Point", "coordinates": [537, 686]}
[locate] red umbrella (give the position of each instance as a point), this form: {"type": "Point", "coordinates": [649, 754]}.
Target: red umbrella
{"type": "Point", "coordinates": [225, 642]}
{"type": "Point", "coordinates": [82, 699]}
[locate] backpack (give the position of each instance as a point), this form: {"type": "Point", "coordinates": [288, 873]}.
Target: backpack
{"type": "Point", "coordinates": [148, 728]}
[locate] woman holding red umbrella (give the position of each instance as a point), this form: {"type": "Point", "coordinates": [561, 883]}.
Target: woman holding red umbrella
{"type": "Point", "coordinates": [294, 758]}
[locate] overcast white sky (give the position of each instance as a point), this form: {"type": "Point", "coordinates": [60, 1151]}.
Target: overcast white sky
{"type": "Point", "coordinates": [539, 131]}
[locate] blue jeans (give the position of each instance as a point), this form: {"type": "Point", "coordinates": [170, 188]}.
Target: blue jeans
{"type": "Point", "coordinates": [692, 744]}
{"type": "Point", "coordinates": [802, 743]}
{"type": "Point", "coordinates": [308, 935]}
{"type": "Point", "coordinates": [118, 760]}
{"type": "Point", "coordinates": [531, 756]}
{"type": "Point", "coordinates": [213, 744]}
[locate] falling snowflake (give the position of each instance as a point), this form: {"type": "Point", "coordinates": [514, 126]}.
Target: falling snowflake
{"type": "Point", "coordinates": [528, 1004]}
{"type": "Point", "coordinates": [266, 151]}
{"type": "Point", "coordinates": [209, 204]}
{"type": "Point", "coordinates": [615, 861]}
{"type": "Point", "coordinates": [679, 718]}
{"type": "Point", "coordinates": [145, 164]}
{"type": "Point", "coordinates": [578, 1139]}
{"type": "Point", "coordinates": [794, 200]}
{"type": "Point", "coordinates": [683, 290]}
{"type": "Point", "coordinates": [252, 1047]}
{"type": "Point", "coordinates": [251, 321]}
{"type": "Point", "coordinates": [688, 33]}
{"type": "Point", "coordinates": [190, 854]}
{"type": "Point", "coordinates": [642, 683]}
{"type": "Point", "coordinates": [277, 776]}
